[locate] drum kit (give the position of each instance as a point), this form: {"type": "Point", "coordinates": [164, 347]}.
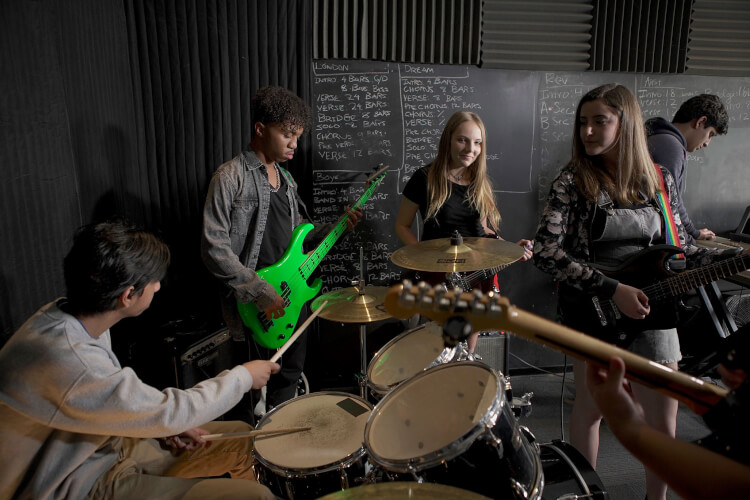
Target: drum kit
{"type": "Point", "coordinates": [442, 425]}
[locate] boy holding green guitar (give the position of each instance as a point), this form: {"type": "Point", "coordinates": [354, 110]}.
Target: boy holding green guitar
{"type": "Point", "coordinates": [251, 210]}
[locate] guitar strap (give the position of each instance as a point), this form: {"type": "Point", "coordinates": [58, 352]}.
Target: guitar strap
{"type": "Point", "coordinates": [672, 236]}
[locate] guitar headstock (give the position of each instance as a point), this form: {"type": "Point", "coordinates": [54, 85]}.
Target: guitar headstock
{"type": "Point", "coordinates": [377, 177]}
{"type": "Point", "coordinates": [484, 311]}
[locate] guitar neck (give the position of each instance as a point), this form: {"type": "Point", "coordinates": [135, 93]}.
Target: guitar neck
{"type": "Point", "coordinates": [325, 246]}
{"type": "Point", "coordinates": [690, 280]}
{"type": "Point", "coordinates": [476, 277]}
{"type": "Point", "coordinates": [492, 311]}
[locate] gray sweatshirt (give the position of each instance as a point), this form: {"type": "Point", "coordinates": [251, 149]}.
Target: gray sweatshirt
{"type": "Point", "coordinates": [66, 403]}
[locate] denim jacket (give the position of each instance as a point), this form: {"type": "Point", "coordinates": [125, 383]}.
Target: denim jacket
{"type": "Point", "coordinates": [234, 220]}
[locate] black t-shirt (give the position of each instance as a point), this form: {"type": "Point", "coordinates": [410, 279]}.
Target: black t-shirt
{"type": "Point", "coordinates": [455, 214]}
{"type": "Point", "coordinates": [278, 230]}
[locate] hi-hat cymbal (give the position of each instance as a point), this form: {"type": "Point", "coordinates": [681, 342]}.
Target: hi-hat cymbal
{"type": "Point", "coordinates": [347, 305]}
{"type": "Point", "coordinates": [443, 255]}
{"type": "Point", "coordinates": [405, 490]}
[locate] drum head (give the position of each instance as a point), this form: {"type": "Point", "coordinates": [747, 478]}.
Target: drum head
{"type": "Point", "coordinates": [337, 420]}
{"type": "Point", "coordinates": [405, 356]}
{"type": "Point", "coordinates": [432, 412]}
{"type": "Point", "coordinates": [405, 490]}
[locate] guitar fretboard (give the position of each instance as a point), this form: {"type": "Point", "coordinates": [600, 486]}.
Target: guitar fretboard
{"type": "Point", "coordinates": [690, 280]}
{"type": "Point", "coordinates": [315, 258]}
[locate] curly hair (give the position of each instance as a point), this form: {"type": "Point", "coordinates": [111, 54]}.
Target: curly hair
{"type": "Point", "coordinates": [106, 259]}
{"type": "Point", "coordinates": [707, 105]}
{"type": "Point", "coordinates": [279, 105]}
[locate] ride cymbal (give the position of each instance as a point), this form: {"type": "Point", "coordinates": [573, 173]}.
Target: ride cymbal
{"type": "Point", "coordinates": [452, 255]}
{"type": "Point", "coordinates": [347, 305]}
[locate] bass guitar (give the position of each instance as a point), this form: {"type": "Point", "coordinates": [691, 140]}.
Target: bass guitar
{"type": "Point", "coordinates": [289, 277]}
{"type": "Point", "coordinates": [646, 270]}
{"type": "Point", "coordinates": [493, 312]}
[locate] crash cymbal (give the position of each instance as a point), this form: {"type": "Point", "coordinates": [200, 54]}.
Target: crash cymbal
{"type": "Point", "coordinates": [403, 489]}
{"type": "Point", "coordinates": [444, 255]}
{"type": "Point", "coordinates": [348, 306]}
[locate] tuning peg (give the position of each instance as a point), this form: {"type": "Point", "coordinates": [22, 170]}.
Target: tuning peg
{"type": "Point", "coordinates": [494, 308]}
{"type": "Point", "coordinates": [460, 304]}
{"type": "Point", "coordinates": [424, 297]}
{"type": "Point", "coordinates": [477, 303]}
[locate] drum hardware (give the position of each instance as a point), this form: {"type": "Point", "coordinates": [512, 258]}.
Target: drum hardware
{"type": "Point", "coordinates": [411, 470]}
{"type": "Point", "coordinates": [522, 405]}
{"type": "Point", "coordinates": [568, 475]}
{"type": "Point", "coordinates": [359, 304]}
{"type": "Point", "coordinates": [457, 254]}
{"type": "Point", "coordinates": [457, 328]}
{"type": "Point", "coordinates": [406, 441]}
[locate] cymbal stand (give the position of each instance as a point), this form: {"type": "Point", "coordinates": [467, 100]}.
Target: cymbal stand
{"type": "Point", "coordinates": [360, 285]}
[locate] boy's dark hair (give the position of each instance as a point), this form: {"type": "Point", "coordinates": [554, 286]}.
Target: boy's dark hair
{"type": "Point", "coordinates": [106, 259]}
{"type": "Point", "coordinates": [279, 105]}
{"type": "Point", "coordinates": [707, 105]}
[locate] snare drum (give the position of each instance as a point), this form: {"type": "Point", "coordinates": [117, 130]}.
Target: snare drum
{"type": "Point", "coordinates": [452, 425]}
{"type": "Point", "coordinates": [326, 458]}
{"type": "Point", "coordinates": [404, 356]}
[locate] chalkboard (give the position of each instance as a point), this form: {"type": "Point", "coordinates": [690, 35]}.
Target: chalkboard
{"type": "Point", "coordinates": [369, 112]}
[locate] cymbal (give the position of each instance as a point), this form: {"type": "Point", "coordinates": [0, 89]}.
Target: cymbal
{"type": "Point", "coordinates": [442, 255]}
{"type": "Point", "coordinates": [347, 305]}
{"type": "Point", "coordinates": [403, 489]}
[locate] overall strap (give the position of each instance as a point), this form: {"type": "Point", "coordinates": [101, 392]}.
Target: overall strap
{"type": "Point", "coordinates": [672, 236]}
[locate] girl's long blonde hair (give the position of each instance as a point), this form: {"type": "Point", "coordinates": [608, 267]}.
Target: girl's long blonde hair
{"type": "Point", "coordinates": [635, 168]}
{"type": "Point", "coordinates": [480, 193]}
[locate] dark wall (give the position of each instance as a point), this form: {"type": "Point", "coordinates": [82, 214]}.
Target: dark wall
{"type": "Point", "coordinates": [68, 134]}
{"type": "Point", "coordinates": [125, 109]}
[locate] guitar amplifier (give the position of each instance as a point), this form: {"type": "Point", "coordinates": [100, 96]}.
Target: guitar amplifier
{"type": "Point", "coordinates": [492, 346]}
{"type": "Point", "coordinates": [204, 358]}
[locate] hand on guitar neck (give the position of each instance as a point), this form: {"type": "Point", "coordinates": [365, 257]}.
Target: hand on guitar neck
{"type": "Point", "coordinates": [352, 217]}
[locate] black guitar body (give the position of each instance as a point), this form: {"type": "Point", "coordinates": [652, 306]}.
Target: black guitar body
{"type": "Point", "coordinates": [601, 318]}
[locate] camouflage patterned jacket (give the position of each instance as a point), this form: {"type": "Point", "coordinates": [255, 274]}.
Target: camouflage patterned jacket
{"type": "Point", "coordinates": [563, 239]}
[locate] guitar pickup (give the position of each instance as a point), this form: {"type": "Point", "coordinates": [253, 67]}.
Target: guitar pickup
{"type": "Point", "coordinates": [286, 292]}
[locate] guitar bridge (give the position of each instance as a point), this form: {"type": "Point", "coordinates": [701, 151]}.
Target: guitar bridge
{"type": "Point", "coordinates": [599, 311]}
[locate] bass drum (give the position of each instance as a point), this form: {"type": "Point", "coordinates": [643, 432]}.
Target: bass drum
{"type": "Point", "coordinates": [567, 474]}
{"type": "Point", "coordinates": [328, 457]}
{"type": "Point", "coordinates": [452, 425]}
{"type": "Point", "coordinates": [404, 356]}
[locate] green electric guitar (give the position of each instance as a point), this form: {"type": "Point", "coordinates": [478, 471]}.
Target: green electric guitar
{"type": "Point", "coordinates": [289, 277]}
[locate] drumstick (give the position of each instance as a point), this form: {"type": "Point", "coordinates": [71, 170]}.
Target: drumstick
{"type": "Point", "coordinates": [380, 170]}
{"type": "Point", "coordinates": [299, 331]}
{"type": "Point", "coordinates": [251, 434]}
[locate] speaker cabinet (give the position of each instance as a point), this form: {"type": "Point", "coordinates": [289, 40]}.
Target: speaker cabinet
{"type": "Point", "coordinates": [202, 359]}
{"type": "Point", "coordinates": [492, 346]}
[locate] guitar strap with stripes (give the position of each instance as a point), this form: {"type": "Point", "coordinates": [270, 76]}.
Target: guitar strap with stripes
{"type": "Point", "coordinates": [672, 236]}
